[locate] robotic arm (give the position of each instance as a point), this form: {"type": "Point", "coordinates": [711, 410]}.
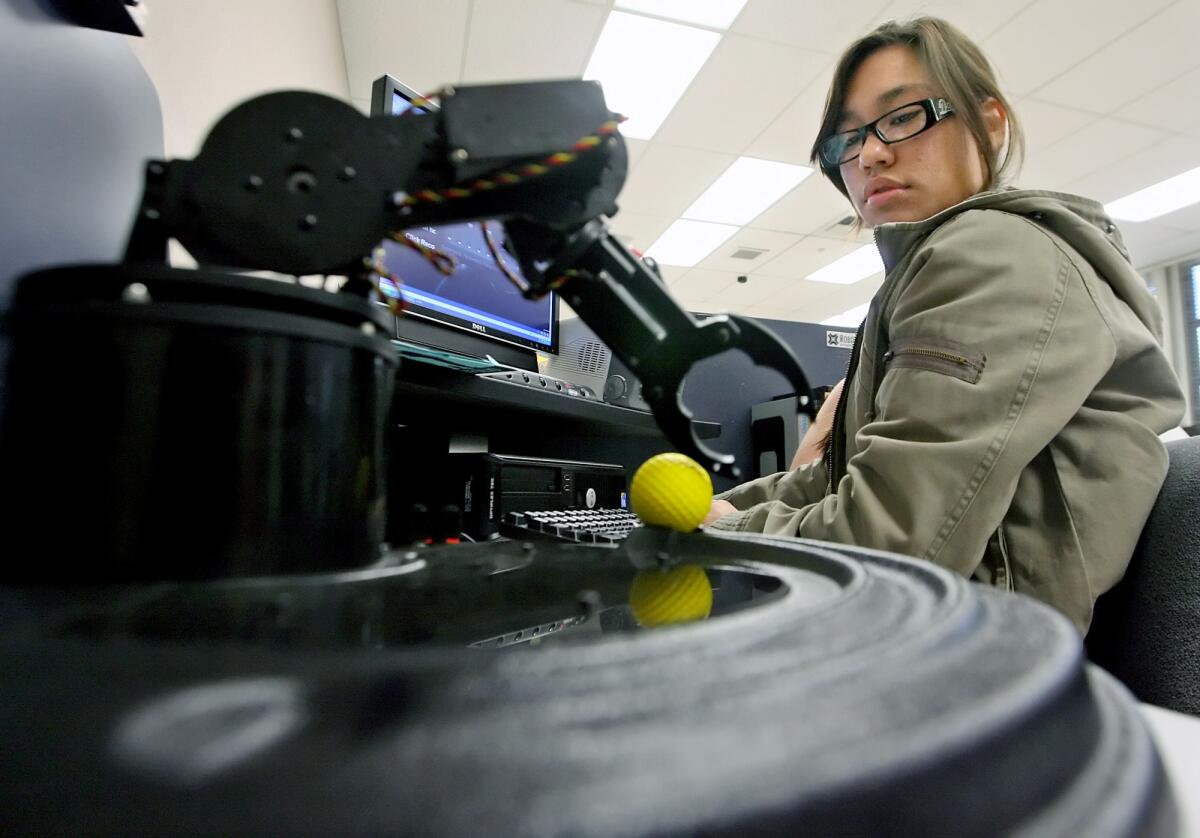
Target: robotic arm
{"type": "Point", "coordinates": [304, 184]}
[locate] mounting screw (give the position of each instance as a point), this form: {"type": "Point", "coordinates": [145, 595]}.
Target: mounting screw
{"type": "Point", "coordinates": [348, 173]}
{"type": "Point", "coordinates": [448, 91]}
{"type": "Point", "coordinates": [294, 135]}
{"type": "Point", "coordinates": [743, 279]}
{"type": "Point", "coordinates": [367, 328]}
{"type": "Point", "coordinates": [254, 183]}
{"type": "Point", "coordinates": [459, 155]}
{"type": "Point", "coordinates": [156, 168]}
{"type": "Point", "coordinates": [150, 213]}
{"type": "Point", "coordinates": [135, 292]}
{"type": "Point", "coordinates": [589, 603]}
{"type": "Point", "coordinates": [308, 222]}
{"type": "Point", "coordinates": [722, 335]}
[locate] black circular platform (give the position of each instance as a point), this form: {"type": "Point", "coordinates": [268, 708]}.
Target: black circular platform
{"type": "Point", "coordinates": [507, 689]}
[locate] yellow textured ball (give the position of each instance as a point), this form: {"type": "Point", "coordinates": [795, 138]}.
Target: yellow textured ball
{"type": "Point", "coordinates": [680, 595]}
{"type": "Point", "coordinates": [671, 490]}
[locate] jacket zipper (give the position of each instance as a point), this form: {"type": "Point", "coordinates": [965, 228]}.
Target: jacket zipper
{"type": "Point", "coordinates": [834, 450]}
{"type": "Point", "coordinates": [1002, 543]}
{"type": "Point", "coordinates": [934, 353]}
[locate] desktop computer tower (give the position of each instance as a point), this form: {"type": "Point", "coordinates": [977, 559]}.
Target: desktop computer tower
{"type": "Point", "coordinates": [486, 487]}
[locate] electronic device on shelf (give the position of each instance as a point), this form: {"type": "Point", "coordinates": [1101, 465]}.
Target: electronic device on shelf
{"type": "Point", "coordinates": [582, 357]}
{"type": "Point", "coordinates": [539, 381]}
{"type": "Point", "coordinates": [584, 526]}
{"type": "Point", "coordinates": [478, 298]}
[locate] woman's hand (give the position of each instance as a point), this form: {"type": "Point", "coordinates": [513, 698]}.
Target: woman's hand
{"type": "Point", "coordinates": [812, 447]}
{"type": "Point", "coordinates": [718, 508]}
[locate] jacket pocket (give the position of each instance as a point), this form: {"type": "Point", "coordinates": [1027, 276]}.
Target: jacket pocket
{"type": "Point", "coordinates": [937, 355]}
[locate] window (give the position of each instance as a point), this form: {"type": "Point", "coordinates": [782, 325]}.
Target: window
{"type": "Point", "coordinates": [1191, 319]}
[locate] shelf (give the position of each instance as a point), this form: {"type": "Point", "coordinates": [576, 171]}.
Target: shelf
{"type": "Point", "coordinates": [427, 394]}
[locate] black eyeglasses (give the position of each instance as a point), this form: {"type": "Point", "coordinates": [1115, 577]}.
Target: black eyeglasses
{"type": "Point", "coordinates": [903, 123]}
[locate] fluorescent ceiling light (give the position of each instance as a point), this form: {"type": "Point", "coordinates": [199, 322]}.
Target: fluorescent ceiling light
{"type": "Point", "coordinates": [687, 242]}
{"type": "Point", "coordinates": [852, 267]}
{"type": "Point", "coordinates": [1161, 198]}
{"type": "Point", "coordinates": [715, 13]}
{"type": "Point", "coordinates": [746, 188]}
{"type": "Point", "coordinates": [645, 65]}
{"type": "Point", "coordinates": [853, 317]}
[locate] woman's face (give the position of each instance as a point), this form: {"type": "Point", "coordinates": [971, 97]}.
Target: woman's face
{"type": "Point", "coordinates": [914, 178]}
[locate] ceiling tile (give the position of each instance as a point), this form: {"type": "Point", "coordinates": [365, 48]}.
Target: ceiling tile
{"type": "Point", "coordinates": [638, 229]}
{"type": "Point", "coordinates": [823, 27]}
{"type": "Point", "coordinates": [977, 18]}
{"type": "Point", "coordinates": [1051, 36]}
{"type": "Point", "coordinates": [1146, 240]}
{"type": "Point", "coordinates": [790, 135]}
{"type": "Point", "coordinates": [1149, 56]}
{"type": "Point", "coordinates": [809, 208]}
{"type": "Point", "coordinates": [377, 35]}
{"type": "Point", "coordinates": [755, 290]}
{"type": "Point", "coordinates": [669, 178]}
{"type": "Point", "coordinates": [1171, 157]}
{"type": "Point", "coordinates": [1103, 143]}
{"type": "Point", "coordinates": [672, 273]}
{"type": "Point", "coordinates": [838, 300]}
{"type": "Point", "coordinates": [1184, 246]}
{"type": "Point", "coordinates": [1045, 124]}
{"type": "Point", "coordinates": [1168, 106]}
{"type": "Point", "coordinates": [770, 242]}
{"type": "Point", "coordinates": [1186, 219]}
{"type": "Point", "coordinates": [635, 149]}
{"type": "Point", "coordinates": [699, 285]}
{"type": "Point", "coordinates": [806, 256]}
{"type": "Point", "coordinates": [533, 39]}
{"type": "Point", "coordinates": [737, 94]}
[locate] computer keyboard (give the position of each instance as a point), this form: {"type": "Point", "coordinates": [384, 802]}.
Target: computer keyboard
{"type": "Point", "coordinates": [586, 526]}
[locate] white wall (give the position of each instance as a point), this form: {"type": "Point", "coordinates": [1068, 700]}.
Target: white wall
{"type": "Point", "coordinates": [205, 56]}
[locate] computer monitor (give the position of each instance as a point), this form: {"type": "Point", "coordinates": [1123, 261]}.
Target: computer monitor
{"type": "Point", "coordinates": [478, 298]}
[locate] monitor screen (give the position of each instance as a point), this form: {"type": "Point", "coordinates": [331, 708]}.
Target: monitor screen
{"type": "Point", "coordinates": [477, 297]}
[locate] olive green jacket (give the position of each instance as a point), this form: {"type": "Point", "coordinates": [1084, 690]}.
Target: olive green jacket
{"type": "Point", "coordinates": [1003, 407]}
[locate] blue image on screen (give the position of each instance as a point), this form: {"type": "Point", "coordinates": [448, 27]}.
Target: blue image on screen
{"type": "Point", "coordinates": [477, 295]}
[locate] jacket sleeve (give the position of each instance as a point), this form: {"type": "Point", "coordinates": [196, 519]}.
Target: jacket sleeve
{"type": "Point", "coordinates": [938, 457]}
{"type": "Point", "coordinates": [801, 486]}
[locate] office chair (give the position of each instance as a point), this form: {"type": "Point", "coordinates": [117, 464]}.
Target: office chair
{"type": "Point", "coordinates": [1146, 630]}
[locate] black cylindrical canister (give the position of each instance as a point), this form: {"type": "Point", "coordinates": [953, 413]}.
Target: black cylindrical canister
{"type": "Point", "coordinates": [176, 424]}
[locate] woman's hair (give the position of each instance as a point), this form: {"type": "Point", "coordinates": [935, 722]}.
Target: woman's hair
{"type": "Point", "coordinates": [956, 67]}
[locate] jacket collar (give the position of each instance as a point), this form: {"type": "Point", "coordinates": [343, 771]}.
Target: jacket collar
{"type": "Point", "coordinates": [1080, 222]}
{"type": "Point", "coordinates": [896, 239]}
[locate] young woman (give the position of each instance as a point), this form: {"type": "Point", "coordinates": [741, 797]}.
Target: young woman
{"type": "Point", "coordinates": [1002, 408]}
